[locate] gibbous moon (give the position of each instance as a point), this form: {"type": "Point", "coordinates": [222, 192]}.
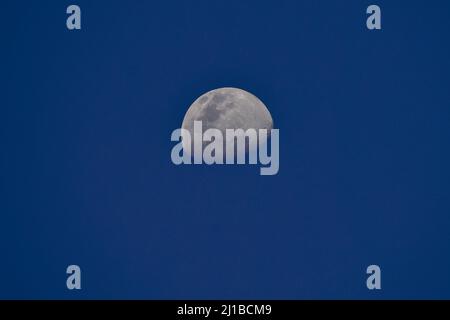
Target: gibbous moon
{"type": "Point", "coordinates": [228, 108]}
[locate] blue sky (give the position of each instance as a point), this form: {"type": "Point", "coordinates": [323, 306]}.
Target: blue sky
{"type": "Point", "coordinates": [86, 176]}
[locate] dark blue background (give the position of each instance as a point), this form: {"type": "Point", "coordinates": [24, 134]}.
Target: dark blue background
{"type": "Point", "coordinates": [86, 176]}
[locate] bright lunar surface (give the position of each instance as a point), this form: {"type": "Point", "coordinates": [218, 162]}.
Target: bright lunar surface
{"type": "Point", "coordinates": [228, 108]}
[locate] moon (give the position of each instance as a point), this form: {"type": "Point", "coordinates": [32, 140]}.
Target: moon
{"type": "Point", "coordinates": [228, 108]}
